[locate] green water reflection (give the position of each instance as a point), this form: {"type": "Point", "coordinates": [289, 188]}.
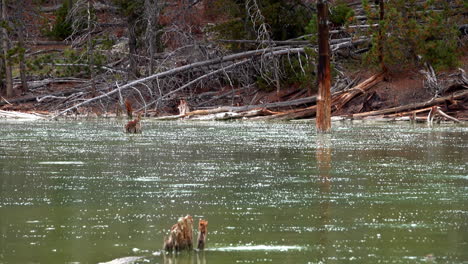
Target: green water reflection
{"type": "Point", "coordinates": [84, 192]}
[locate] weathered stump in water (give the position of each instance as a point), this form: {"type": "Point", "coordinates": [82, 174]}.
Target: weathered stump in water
{"type": "Point", "coordinates": [134, 126]}
{"type": "Point", "coordinates": [181, 235]}
{"type": "Point", "coordinates": [202, 232]}
{"type": "Point", "coordinates": [183, 107]}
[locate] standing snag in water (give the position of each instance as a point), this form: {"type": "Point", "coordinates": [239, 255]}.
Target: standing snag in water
{"type": "Point", "coordinates": [134, 126]}
{"type": "Point", "coordinates": [181, 235]}
{"type": "Point", "coordinates": [202, 232]}
{"type": "Point", "coordinates": [183, 107]}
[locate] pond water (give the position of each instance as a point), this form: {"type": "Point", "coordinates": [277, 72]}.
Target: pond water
{"type": "Point", "coordinates": [85, 192]}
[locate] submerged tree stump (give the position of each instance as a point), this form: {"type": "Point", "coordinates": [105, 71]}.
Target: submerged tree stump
{"type": "Point", "coordinates": [183, 107]}
{"type": "Point", "coordinates": [202, 232]}
{"type": "Point", "coordinates": [134, 126]}
{"type": "Point", "coordinates": [181, 235]}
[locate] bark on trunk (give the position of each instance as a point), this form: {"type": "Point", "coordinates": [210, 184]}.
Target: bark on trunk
{"type": "Point", "coordinates": [323, 120]}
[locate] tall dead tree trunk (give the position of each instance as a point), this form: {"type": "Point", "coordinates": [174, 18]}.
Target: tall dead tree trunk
{"type": "Point", "coordinates": [5, 46]}
{"type": "Point", "coordinates": [323, 119]}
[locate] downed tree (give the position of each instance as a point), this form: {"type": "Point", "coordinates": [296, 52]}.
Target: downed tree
{"type": "Point", "coordinates": [268, 52]}
{"type": "Point", "coordinates": [339, 99]}
{"type": "Point", "coordinates": [435, 111]}
{"type": "Point", "coordinates": [408, 107]}
{"type": "Point", "coordinates": [19, 115]}
{"type": "Point", "coordinates": [229, 115]}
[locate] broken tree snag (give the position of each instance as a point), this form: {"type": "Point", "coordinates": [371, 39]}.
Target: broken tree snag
{"type": "Point", "coordinates": [202, 232]}
{"type": "Point", "coordinates": [134, 126]}
{"type": "Point", "coordinates": [128, 106]}
{"type": "Point", "coordinates": [183, 107]}
{"type": "Point", "coordinates": [435, 111]}
{"type": "Point", "coordinates": [181, 235]}
{"type": "Point", "coordinates": [323, 120]}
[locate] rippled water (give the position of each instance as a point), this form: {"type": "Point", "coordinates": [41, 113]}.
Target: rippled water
{"type": "Point", "coordinates": [84, 192]}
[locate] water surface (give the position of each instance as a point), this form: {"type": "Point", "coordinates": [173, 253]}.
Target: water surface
{"type": "Point", "coordinates": [84, 192]}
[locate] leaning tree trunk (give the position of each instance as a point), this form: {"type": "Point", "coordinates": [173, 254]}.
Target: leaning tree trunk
{"type": "Point", "coordinates": [5, 46]}
{"type": "Point", "coordinates": [323, 119]}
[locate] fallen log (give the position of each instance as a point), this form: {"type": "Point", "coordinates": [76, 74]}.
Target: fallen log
{"type": "Point", "coordinates": [228, 112]}
{"type": "Point", "coordinates": [19, 115]}
{"type": "Point", "coordinates": [289, 115]}
{"type": "Point", "coordinates": [341, 100]}
{"type": "Point", "coordinates": [410, 113]}
{"type": "Point", "coordinates": [282, 42]}
{"type": "Point", "coordinates": [228, 115]}
{"type": "Point", "coordinates": [408, 107]}
{"type": "Point", "coordinates": [435, 111]}
{"type": "Point", "coordinates": [31, 98]}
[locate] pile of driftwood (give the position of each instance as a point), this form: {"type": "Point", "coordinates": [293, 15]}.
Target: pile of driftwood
{"type": "Point", "coordinates": [306, 107]}
{"type": "Point", "coordinates": [181, 235]}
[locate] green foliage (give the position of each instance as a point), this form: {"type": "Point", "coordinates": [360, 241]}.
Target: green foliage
{"type": "Point", "coordinates": [286, 19]}
{"type": "Point", "coordinates": [107, 43]}
{"type": "Point", "coordinates": [413, 33]}
{"type": "Point", "coordinates": [61, 28]}
{"type": "Point", "coordinates": [312, 29]}
{"type": "Point", "coordinates": [341, 13]}
{"type": "Point", "coordinates": [130, 8]}
{"type": "Point", "coordinates": [76, 62]}
{"type": "Point", "coordinates": [302, 71]}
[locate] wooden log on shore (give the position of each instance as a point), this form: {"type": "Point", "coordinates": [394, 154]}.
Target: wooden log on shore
{"type": "Point", "coordinates": [19, 115]}
{"type": "Point", "coordinates": [341, 100]}
{"type": "Point", "coordinates": [409, 107]}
